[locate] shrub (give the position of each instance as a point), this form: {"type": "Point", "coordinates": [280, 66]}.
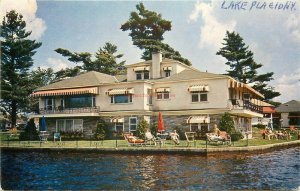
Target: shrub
{"type": "Point", "coordinates": [103, 131]}
{"type": "Point", "coordinates": [260, 126]}
{"type": "Point", "coordinates": [236, 136]}
{"type": "Point", "coordinates": [153, 129]}
{"type": "Point", "coordinates": [226, 123]}
{"type": "Point", "coordinates": [30, 133]}
{"type": "Point", "coordinates": [141, 129]}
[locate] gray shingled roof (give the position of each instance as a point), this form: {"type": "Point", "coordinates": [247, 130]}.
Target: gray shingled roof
{"type": "Point", "coordinates": [190, 74]}
{"type": "Point", "coordinates": [121, 78]}
{"type": "Point", "coordinates": [84, 80]}
{"type": "Point", "coordinates": [291, 106]}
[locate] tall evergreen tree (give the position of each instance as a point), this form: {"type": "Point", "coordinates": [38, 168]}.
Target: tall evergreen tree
{"type": "Point", "coordinates": [16, 59]}
{"type": "Point", "coordinates": [105, 59]}
{"type": "Point", "coordinates": [147, 29]}
{"type": "Point", "coordinates": [243, 67]}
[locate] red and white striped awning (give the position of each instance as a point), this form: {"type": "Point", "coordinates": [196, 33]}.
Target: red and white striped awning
{"type": "Point", "coordinates": [75, 91]}
{"type": "Point", "coordinates": [120, 91]}
{"type": "Point", "coordinates": [145, 68]}
{"type": "Point", "coordinates": [198, 88]}
{"type": "Point", "coordinates": [198, 119]}
{"type": "Point", "coordinates": [160, 90]}
{"type": "Point", "coordinates": [117, 120]}
{"type": "Point", "coordinates": [167, 68]}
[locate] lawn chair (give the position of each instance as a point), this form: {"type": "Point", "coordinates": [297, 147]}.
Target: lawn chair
{"type": "Point", "coordinates": [226, 137]}
{"type": "Point", "coordinates": [190, 138]}
{"type": "Point", "coordinates": [149, 138]}
{"type": "Point", "coordinates": [133, 140]}
{"type": "Point", "coordinates": [212, 137]}
{"type": "Point", "coordinates": [56, 136]}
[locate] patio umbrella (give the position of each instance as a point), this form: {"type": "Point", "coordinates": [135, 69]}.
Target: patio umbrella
{"type": "Point", "coordinates": [160, 124]}
{"type": "Point", "coordinates": [43, 126]}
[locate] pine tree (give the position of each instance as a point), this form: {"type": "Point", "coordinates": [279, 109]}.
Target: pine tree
{"type": "Point", "coordinates": [105, 60]}
{"type": "Point", "coordinates": [16, 59]}
{"type": "Point", "coordinates": [243, 67]}
{"type": "Point", "coordinates": [147, 29]}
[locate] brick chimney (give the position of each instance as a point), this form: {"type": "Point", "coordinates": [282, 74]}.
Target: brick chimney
{"type": "Point", "coordinates": [155, 68]}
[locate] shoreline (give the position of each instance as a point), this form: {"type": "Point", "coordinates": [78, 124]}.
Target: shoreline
{"type": "Point", "coordinates": [155, 150]}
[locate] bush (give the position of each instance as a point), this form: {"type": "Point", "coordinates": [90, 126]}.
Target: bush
{"type": "Point", "coordinates": [236, 136]}
{"type": "Point", "coordinates": [260, 126]}
{"type": "Point", "coordinates": [226, 123]}
{"type": "Point", "coordinates": [141, 129]}
{"type": "Point", "coordinates": [30, 133]}
{"type": "Point", "coordinates": [103, 131]}
{"type": "Point", "coordinates": [153, 129]}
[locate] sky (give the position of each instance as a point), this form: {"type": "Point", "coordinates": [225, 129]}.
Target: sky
{"type": "Point", "coordinates": [271, 29]}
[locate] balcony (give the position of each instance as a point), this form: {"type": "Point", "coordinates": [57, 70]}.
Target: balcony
{"type": "Point", "coordinates": [61, 110]}
{"type": "Point", "coordinates": [247, 105]}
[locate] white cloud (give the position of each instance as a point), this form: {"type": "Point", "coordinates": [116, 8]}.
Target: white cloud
{"type": "Point", "coordinates": [288, 85]}
{"type": "Point", "coordinates": [56, 64]}
{"type": "Point", "coordinates": [293, 25]}
{"type": "Point", "coordinates": [28, 9]}
{"type": "Point", "coordinates": [212, 31]}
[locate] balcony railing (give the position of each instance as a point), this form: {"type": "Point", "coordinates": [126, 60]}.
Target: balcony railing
{"type": "Point", "coordinates": [61, 110]}
{"type": "Point", "coordinates": [245, 104]}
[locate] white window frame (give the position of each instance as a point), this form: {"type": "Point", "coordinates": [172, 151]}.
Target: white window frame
{"type": "Point", "coordinates": [199, 97]}
{"type": "Point", "coordinates": [122, 126]}
{"type": "Point", "coordinates": [63, 129]}
{"type": "Point", "coordinates": [200, 126]}
{"type": "Point", "coordinates": [163, 95]}
{"type": "Point", "coordinates": [130, 99]}
{"type": "Point", "coordinates": [167, 73]}
{"type": "Point", "coordinates": [52, 103]}
{"type": "Point", "coordinates": [136, 123]}
{"type": "Point", "coordinates": [142, 75]}
{"type": "Point", "coordinates": [149, 96]}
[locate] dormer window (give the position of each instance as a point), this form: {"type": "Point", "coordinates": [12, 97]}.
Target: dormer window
{"type": "Point", "coordinates": [167, 70]}
{"type": "Point", "coordinates": [142, 73]}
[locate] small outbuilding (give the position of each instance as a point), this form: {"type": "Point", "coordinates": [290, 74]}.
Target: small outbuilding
{"type": "Point", "coordinates": [290, 113]}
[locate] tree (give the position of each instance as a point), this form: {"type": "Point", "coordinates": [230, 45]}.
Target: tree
{"type": "Point", "coordinates": [39, 77]}
{"type": "Point", "coordinates": [147, 29]}
{"type": "Point", "coordinates": [16, 52]}
{"type": "Point", "coordinates": [141, 129]}
{"type": "Point", "coordinates": [227, 124]}
{"type": "Point", "coordinates": [105, 59]}
{"type": "Point", "coordinates": [30, 133]}
{"type": "Point", "coordinates": [243, 67]}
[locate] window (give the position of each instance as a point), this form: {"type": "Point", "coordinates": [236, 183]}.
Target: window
{"type": "Point", "coordinates": [167, 73]}
{"type": "Point", "coordinates": [119, 127]}
{"type": "Point", "coordinates": [163, 95]}
{"type": "Point", "coordinates": [132, 123]}
{"type": "Point", "coordinates": [139, 76]}
{"type": "Point", "coordinates": [202, 127]}
{"type": "Point", "coordinates": [149, 94]}
{"type": "Point", "coordinates": [142, 75]}
{"type": "Point", "coordinates": [196, 97]}
{"type": "Point", "coordinates": [146, 75]}
{"type": "Point", "coordinates": [79, 101]}
{"type": "Point", "coordinates": [121, 99]}
{"type": "Point", "coordinates": [194, 127]}
{"type": "Point", "coordinates": [49, 103]}
{"type": "Point", "coordinates": [69, 125]}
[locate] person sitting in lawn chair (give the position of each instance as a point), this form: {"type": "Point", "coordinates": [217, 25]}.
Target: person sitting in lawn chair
{"type": "Point", "coordinates": [175, 137]}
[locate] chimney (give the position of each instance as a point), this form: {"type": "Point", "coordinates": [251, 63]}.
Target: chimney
{"type": "Point", "coordinates": [156, 60]}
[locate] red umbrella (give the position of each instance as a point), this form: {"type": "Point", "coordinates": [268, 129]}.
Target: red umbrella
{"type": "Point", "coordinates": [160, 124]}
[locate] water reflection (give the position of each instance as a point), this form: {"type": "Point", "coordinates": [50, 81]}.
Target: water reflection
{"type": "Point", "coordinates": [73, 171]}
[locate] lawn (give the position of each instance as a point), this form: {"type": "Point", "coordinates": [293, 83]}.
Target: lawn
{"type": "Point", "coordinates": [14, 141]}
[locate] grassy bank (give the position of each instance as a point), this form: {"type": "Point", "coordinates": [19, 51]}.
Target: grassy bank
{"type": "Point", "coordinates": [13, 141]}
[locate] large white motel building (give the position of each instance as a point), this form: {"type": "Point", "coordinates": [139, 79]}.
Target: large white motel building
{"type": "Point", "coordinates": [186, 97]}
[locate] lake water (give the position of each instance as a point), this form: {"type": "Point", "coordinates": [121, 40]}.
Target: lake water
{"type": "Point", "coordinates": [278, 170]}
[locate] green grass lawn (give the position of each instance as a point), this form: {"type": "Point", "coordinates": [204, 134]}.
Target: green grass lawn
{"type": "Point", "coordinates": [14, 141]}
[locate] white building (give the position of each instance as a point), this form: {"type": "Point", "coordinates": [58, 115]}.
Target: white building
{"type": "Point", "coordinates": [188, 98]}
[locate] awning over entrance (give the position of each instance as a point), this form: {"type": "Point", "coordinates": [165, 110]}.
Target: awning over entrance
{"type": "Point", "coordinates": [198, 119]}
{"type": "Point", "coordinates": [160, 90]}
{"type": "Point", "coordinates": [117, 120]}
{"type": "Point", "coordinates": [120, 91]}
{"type": "Point", "coordinates": [199, 88]}
{"type": "Point", "coordinates": [74, 91]}
{"type": "Point", "coordinates": [167, 68]}
{"type": "Point", "coordinates": [145, 68]}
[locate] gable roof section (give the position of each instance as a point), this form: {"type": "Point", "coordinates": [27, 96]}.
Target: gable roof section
{"type": "Point", "coordinates": [189, 75]}
{"type": "Point", "coordinates": [83, 80]}
{"type": "Point", "coordinates": [291, 106]}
